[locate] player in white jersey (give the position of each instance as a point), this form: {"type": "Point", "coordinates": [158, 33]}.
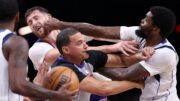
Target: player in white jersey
{"type": "Point", "coordinates": [13, 62]}
{"type": "Point", "coordinates": [161, 83]}
{"type": "Point", "coordinates": [159, 72]}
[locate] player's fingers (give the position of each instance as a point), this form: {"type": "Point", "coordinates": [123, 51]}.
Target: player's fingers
{"type": "Point", "coordinates": [124, 52]}
{"type": "Point", "coordinates": [130, 49]}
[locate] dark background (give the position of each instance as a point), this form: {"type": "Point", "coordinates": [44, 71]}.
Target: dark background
{"type": "Point", "coordinates": [102, 12]}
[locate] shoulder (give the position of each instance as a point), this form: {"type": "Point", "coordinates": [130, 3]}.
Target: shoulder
{"type": "Point", "coordinates": [97, 58]}
{"type": "Point", "coordinates": [163, 59]}
{"type": "Point", "coordinates": [40, 45]}
{"type": "Point", "coordinates": [15, 45]}
{"type": "Point", "coordinates": [39, 48]}
{"type": "Point", "coordinates": [79, 74]}
{"type": "Point", "coordinates": [128, 33]}
{"type": "Point", "coordinates": [164, 55]}
{"type": "Point", "coordinates": [15, 42]}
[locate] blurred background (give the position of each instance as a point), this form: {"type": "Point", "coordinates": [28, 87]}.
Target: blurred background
{"type": "Point", "coordinates": [101, 12]}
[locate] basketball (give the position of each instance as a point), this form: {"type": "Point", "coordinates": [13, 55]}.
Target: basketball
{"type": "Point", "coordinates": [60, 75]}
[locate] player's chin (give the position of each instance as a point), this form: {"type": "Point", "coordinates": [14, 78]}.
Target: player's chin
{"type": "Point", "coordinates": [43, 35]}
{"type": "Point", "coordinates": [86, 55]}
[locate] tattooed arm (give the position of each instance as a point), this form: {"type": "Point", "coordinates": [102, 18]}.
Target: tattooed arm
{"type": "Point", "coordinates": [15, 50]}
{"type": "Point", "coordinates": [135, 72]}
{"type": "Point", "coordinates": [85, 28]}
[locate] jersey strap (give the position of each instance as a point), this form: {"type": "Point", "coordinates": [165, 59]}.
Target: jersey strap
{"type": "Point", "coordinates": [166, 46]}
{"type": "Point", "coordinates": [7, 37]}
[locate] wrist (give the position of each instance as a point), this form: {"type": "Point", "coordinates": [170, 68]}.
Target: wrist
{"type": "Point", "coordinates": [139, 56]}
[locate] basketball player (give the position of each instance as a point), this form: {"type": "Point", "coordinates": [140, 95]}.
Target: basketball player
{"type": "Point", "coordinates": [74, 55]}
{"type": "Point", "coordinates": [160, 71]}
{"type": "Point", "coordinates": [13, 62]}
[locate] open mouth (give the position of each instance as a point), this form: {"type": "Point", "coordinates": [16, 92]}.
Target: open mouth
{"type": "Point", "coordinates": [38, 29]}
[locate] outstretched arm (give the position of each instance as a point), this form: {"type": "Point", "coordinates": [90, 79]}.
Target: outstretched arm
{"type": "Point", "coordinates": [105, 88]}
{"type": "Point", "coordinates": [133, 73]}
{"type": "Point", "coordinates": [85, 28]}
{"type": "Point", "coordinates": [16, 52]}
{"type": "Point", "coordinates": [125, 47]}
{"type": "Point", "coordinates": [125, 61]}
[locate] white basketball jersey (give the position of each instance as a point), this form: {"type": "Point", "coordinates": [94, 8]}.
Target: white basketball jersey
{"type": "Point", "coordinates": [5, 92]}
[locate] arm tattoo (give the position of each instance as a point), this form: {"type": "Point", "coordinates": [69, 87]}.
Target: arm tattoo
{"type": "Point", "coordinates": [133, 73]}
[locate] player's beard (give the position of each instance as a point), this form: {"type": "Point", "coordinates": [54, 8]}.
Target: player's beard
{"type": "Point", "coordinates": [141, 33]}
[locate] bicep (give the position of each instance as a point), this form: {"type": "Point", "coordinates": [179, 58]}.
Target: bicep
{"type": "Point", "coordinates": [112, 32]}
{"type": "Point", "coordinates": [136, 72]}
{"type": "Point", "coordinates": [17, 58]}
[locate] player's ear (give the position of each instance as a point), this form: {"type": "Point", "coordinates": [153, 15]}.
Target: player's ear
{"type": "Point", "coordinates": [65, 50]}
{"type": "Point", "coordinates": [156, 29]}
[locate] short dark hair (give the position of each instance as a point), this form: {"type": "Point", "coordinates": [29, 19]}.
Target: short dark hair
{"type": "Point", "coordinates": [63, 38]}
{"type": "Point", "coordinates": [8, 10]}
{"type": "Point", "coordinates": [41, 9]}
{"type": "Point", "coordinates": [163, 18]}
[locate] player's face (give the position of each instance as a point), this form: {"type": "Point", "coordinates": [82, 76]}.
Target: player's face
{"type": "Point", "coordinates": [146, 26]}
{"type": "Point", "coordinates": [36, 21]}
{"type": "Point", "coordinates": [78, 47]}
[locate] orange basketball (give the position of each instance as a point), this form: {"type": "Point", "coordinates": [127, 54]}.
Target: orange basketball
{"type": "Point", "coordinates": [60, 75]}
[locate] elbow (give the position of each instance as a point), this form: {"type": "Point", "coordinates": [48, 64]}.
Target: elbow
{"type": "Point", "coordinates": [17, 88]}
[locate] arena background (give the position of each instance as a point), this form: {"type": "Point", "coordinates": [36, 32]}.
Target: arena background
{"type": "Point", "coordinates": [101, 12]}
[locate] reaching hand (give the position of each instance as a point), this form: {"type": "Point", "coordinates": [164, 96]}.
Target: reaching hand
{"type": "Point", "coordinates": [42, 71]}
{"type": "Point", "coordinates": [125, 47]}
{"type": "Point", "coordinates": [146, 53]}
{"type": "Point", "coordinates": [52, 24]}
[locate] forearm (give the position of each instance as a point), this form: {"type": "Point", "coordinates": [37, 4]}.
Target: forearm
{"type": "Point", "coordinates": [103, 48]}
{"type": "Point", "coordinates": [105, 88]}
{"type": "Point", "coordinates": [93, 30]}
{"type": "Point", "coordinates": [116, 87]}
{"type": "Point", "coordinates": [34, 91]}
{"type": "Point", "coordinates": [21, 86]}
{"type": "Point", "coordinates": [114, 73]}
{"type": "Point", "coordinates": [133, 73]}
{"type": "Point", "coordinates": [130, 60]}
{"type": "Point", "coordinates": [112, 87]}
{"type": "Point", "coordinates": [120, 60]}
